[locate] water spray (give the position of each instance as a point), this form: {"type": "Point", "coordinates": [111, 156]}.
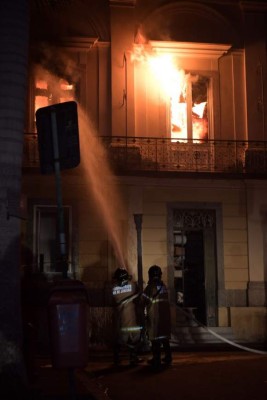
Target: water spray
{"type": "Point", "coordinates": [101, 182]}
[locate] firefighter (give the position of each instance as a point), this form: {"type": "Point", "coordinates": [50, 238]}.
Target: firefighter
{"type": "Point", "coordinates": [158, 319]}
{"type": "Point", "coordinates": [127, 316]}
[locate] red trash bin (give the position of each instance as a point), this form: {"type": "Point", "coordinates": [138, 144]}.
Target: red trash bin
{"type": "Point", "coordinates": [67, 316]}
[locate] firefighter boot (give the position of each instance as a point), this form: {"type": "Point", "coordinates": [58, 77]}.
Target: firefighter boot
{"type": "Point", "coordinates": [155, 360]}
{"type": "Point", "coordinates": [116, 355]}
{"type": "Point", "coordinates": [134, 359]}
{"type": "Point", "coordinates": [167, 350]}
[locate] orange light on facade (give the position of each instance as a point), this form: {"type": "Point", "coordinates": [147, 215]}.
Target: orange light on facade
{"type": "Point", "coordinates": [51, 90]}
{"type": "Point", "coordinates": [66, 91]}
{"type": "Point", "coordinates": [41, 96]}
{"type": "Point", "coordinates": [187, 115]}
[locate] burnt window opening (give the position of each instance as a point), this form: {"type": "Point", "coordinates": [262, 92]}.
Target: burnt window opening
{"type": "Point", "coordinates": [177, 91]}
{"type": "Point", "coordinates": [46, 89]}
{"type": "Point", "coordinates": [50, 90]}
{"type": "Point", "coordinates": [189, 110]}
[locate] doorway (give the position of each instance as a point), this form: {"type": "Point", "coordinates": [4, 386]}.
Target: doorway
{"type": "Point", "coordinates": [194, 275]}
{"type": "Point", "coordinates": [193, 264]}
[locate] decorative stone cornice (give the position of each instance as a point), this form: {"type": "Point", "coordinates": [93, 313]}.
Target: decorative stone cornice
{"type": "Point", "coordinates": [185, 49]}
{"type": "Point", "coordinates": [123, 3]}
{"type": "Point", "coordinates": [253, 5]}
{"type": "Point", "coordinates": [77, 43]}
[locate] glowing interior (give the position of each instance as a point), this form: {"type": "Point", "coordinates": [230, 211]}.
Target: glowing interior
{"type": "Point", "coordinates": [185, 94]}
{"type": "Point", "coordinates": [49, 90]}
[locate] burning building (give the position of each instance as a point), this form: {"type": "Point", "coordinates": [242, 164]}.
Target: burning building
{"type": "Point", "coordinates": [172, 110]}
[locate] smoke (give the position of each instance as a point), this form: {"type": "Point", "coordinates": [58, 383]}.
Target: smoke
{"type": "Point", "coordinates": [57, 62]}
{"type": "Point", "coordinates": [153, 29]}
{"type": "Point", "coordinates": [100, 182]}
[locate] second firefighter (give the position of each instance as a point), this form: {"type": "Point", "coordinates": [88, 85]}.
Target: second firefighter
{"type": "Point", "coordinates": [158, 319]}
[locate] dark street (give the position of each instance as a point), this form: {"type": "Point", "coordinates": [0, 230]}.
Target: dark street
{"type": "Point", "coordinates": [211, 375]}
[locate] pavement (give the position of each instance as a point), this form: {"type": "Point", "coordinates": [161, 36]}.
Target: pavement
{"type": "Point", "coordinates": [213, 374]}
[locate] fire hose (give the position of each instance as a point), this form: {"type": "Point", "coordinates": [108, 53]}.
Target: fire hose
{"type": "Point", "coordinates": [193, 318]}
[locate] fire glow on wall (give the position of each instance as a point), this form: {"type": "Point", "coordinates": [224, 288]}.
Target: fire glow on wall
{"type": "Point", "coordinates": [50, 89]}
{"type": "Point", "coordinates": [184, 93]}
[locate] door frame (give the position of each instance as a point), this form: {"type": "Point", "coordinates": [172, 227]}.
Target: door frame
{"type": "Point", "coordinates": [217, 288]}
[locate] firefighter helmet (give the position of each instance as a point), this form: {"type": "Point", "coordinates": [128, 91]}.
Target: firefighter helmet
{"type": "Point", "coordinates": [154, 272]}
{"type": "Point", "coordinates": [121, 275]}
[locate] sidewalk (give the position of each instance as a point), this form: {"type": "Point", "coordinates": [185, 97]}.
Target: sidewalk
{"type": "Point", "coordinates": [193, 375]}
{"type": "Point", "coordinates": [213, 375]}
{"type": "Point", "coordinates": [61, 384]}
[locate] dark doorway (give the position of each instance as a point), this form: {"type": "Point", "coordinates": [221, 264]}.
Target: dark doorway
{"type": "Point", "coordinates": [194, 275]}
{"type": "Point", "coordinates": [194, 261]}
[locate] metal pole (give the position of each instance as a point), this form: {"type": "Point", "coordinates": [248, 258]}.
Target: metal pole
{"type": "Point", "coordinates": [61, 237]}
{"type": "Point", "coordinates": [138, 225]}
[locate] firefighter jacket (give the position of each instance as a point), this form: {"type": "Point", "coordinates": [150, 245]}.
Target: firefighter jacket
{"type": "Point", "coordinates": [158, 318]}
{"type": "Point", "coordinates": [127, 313]}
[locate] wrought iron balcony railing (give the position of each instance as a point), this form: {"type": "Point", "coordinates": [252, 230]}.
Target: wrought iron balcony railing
{"type": "Point", "coordinates": [130, 155]}
{"type": "Point", "coordinates": [213, 156]}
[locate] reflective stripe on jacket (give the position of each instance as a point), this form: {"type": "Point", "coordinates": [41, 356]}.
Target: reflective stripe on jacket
{"type": "Point", "coordinates": [127, 312]}
{"type": "Point", "coordinates": [157, 305]}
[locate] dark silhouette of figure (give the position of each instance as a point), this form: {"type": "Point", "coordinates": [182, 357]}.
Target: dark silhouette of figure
{"type": "Point", "coordinates": [158, 320]}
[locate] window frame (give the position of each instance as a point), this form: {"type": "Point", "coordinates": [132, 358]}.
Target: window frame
{"type": "Point", "coordinates": [49, 209]}
{"type": "Point", "coordinates": [77, 49]}
{"type": "Point", "coordinates": [195, 58]}
{"type": "Point", "coordinates": [189, 104]}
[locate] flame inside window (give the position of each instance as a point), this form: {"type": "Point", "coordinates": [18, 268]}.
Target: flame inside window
{"type": "Point", "coordinates": [41, 94]}
{"type": "Point", "coordinates": [66, 91]}
{"type": "Point", "coordinates": [185, 94]}
{"type": "Point", "coordinates": [51, 90]}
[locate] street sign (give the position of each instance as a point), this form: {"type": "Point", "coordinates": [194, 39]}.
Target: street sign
{"type": "Point", "coordinates": [58, 136]}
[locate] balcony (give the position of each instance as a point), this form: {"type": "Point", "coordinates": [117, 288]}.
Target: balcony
{"type": "Point", "coordinates": [161, 156]}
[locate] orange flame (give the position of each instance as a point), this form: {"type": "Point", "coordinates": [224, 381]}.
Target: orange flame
{"type": "Point", "coordinates": [173, 85]}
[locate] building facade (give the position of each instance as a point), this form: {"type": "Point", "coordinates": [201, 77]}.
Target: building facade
{"type": "Point", "coordinates": [172, 108]}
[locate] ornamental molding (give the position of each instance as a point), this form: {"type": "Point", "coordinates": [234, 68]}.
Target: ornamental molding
{"type": "Point", "coordinates": [186, 49]}
{"type": "Point", "coordinates": [123, 3]}
{"type": "Point", "coordinates": [193, 219]}
{"type": "Point", "coordinates": [253, 5]}
{"type": "Point", "coordinates": [78, 43]}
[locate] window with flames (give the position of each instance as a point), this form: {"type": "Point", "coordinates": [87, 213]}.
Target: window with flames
{"type": "Point", "coordinates": [189, 114]}
{"type": "Point", "coordinates": [174, 91]}
{"type": "Point", "coordinates": [47, 89]}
